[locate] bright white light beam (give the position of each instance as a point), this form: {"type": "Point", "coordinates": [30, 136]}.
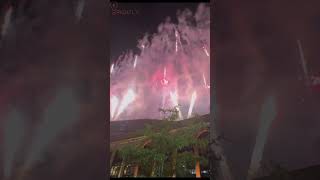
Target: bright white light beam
{"type": "Point", "coordinates": [135, 61]}
{"type": "Point", "coordinates": [192, 102]}
{"type": "Point", "coordinates": [128, 98]}
{"type": "Point", "coordinates": [114, 104]}
{"type": "Point", "coordinates": [174, 100]}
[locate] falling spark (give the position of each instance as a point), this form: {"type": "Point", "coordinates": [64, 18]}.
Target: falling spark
{"type": "Point", "coordinates": [114, 105]}
{"type": "Point", "coordinates": [176, 33]}
{"type": "Point", "coordinates": [177, 39]}
{"type": "Point", "coordinates": [79, 9]}
{"type": "Point", "coordinates": [128, 98]}
{"type": "Point", "coordinates": [7, 22]}
{"type": "Point", "coordinates": [303, 63]}
{"type": "Point", "coordinates": [205, 82]}
{"type": "Point", "coordinates": [174, 100]}
{"type": "Point", "coordinates": [111, 69]}
{"type": "Point", "coordinates": [206, 51]}
{"type": "Point", "coordinates": [13, 134]}
{"type": "Point", "coordinates": [135, 61]}
{"type": "Point", "coordinates": [193, 99]}
{"type": "Point", "coordinates": [267, 116]}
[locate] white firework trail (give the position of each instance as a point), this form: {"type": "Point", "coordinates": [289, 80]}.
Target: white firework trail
{"type": "Point", "coordinates": [7, 22]}
{"type": "Point", "coordinates": [206, 51]}
{"type": "Point", "coordinates": [267, 116]}
{"type": "Point", "coordinates": [114, 104]}
{"type": "Point", "coordinates": [178, 41]}
{"type": "Point", "coordinates": [174, 100]}
{"type": "Point", "coordinates": [192, 102]}
{"type": "Point", "coordinates": [135, 61]}
{"type": "Point", "coordinates": [112, 68]}
{"type": "Point", "coordinates": [13, 134]}
{"type": "Point", "coordinates": [127, 99]}
{"type": "Point", "coordinates": [79, 9]}
{"type": "Point", "coordinates": [303, 63]}
{"type": "Point", "coordinates": [205, 82]}
{"type": "Point", "coordinates": [61, 114]}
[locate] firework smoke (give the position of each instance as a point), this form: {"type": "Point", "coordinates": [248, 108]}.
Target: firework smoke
{"type": "Point", "coordinates": [193, 100]}
{"type": "Point", "coordinates": [13, 134]}
{"type": "Point", "coordinates": [267, 116]}
{"type": "Point", "coordinates": [60, 114]}
{"type": "Point", "coordinates": [7, 22]}
{"type": "Point", "coordinates": [170, 60]}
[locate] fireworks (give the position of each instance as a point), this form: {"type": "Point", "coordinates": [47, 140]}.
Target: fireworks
{"type": "Point", "coordinates": [164, 81]}
{"type": "Point", "coordinates": [13, 134]}
{"type": "Point", "coordinates": [127, 99]}
{"type": "Point", "coordinates": [135, 61]}
{"type": "Point", "coordinates": [193, 100]}
{"type": "Point", "coordinates": [178, 41]}
{"type": "Point", "coordinates": [112, 68]}
{"type": "Point", "coordinates": [114, 104]}
{"type": "Point", "coordinates": [206, 51]}
{"type": "Point", "coordinates": [205, 82]}
{"type": "Point", "coordinates": [170, 63]}
{"type": "Point", "coordinates": [61, 113]}
{"type": "Point", "coordinates": [174, 100]}
{"type": "Point", "coordinates": [267, 116]}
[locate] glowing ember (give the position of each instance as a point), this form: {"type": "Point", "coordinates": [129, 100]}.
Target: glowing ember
{"type": "Point", "coordinates": [193, 99]}
{"type": "Point", "coordinates": [114, 104]}
{"type": "Point", "coordinates": [128, 98]}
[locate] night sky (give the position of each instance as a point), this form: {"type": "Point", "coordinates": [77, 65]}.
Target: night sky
{"type": "Point", "coordinates": [255, 55]}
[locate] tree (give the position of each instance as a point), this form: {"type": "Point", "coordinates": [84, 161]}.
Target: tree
{"type": "Point", "coordinates": [163, 155]}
